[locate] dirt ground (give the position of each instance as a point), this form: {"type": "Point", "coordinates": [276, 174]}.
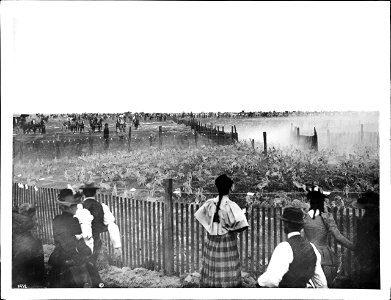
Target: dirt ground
{"type": "Point", "coordinates": [114, 277]}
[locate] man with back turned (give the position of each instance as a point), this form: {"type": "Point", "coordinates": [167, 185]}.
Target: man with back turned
{"type": "Point", "coordinates": [103, 221]}
{"type": "Point", "coordinates": [295, 263]}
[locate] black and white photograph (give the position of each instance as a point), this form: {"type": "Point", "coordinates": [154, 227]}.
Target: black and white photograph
{"type": "Point", "coordinates": [156, 146]}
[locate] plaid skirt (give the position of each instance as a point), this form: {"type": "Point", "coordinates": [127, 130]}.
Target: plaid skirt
{"type": "Point", "coordinates": [221, 263]}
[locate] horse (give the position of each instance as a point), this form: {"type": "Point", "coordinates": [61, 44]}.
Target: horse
{"type": "Point", "coordinates": [136, 122]}
{"type": "Point", "coordinates": [73, 126]}
{"type": "Point", "coordinates": [120, 126]}
{"type": "Point", "coordinates": [94, 122]}
{"type": "Point", "coordinates": [66, 125]}
{"type": "Point", "coordinates": [28, 127]}
{"type": "Point", "coordinates": [80, 125]}
{"type": "Point", "coordinates": [99, 124]}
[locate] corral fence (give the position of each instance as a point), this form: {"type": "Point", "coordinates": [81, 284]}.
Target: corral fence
{"type": "Point", "coordinates": [330, 138]}
{"type": "Point", "coordinates": [87, 144]}
{"type": "Point", "coordinates": [164, 235]}
{"type": "Point", "coordinates": [308, 141]}
{"type": "Point", "coordinates": [211, 132]}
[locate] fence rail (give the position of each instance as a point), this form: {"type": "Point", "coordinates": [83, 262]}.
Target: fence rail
{"type": "Point", "coordinates": [164, 235]}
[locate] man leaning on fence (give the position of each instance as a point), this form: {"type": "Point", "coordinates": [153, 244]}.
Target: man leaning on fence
{"type": "Point", "coordinates": [295, 263]}
{"type": "Point", "coordinates": [103, 221]}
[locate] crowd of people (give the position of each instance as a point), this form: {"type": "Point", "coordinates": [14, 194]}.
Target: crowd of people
{"type": "Point", "coordinates": [77, 238]}
{"type": "Point", "coordinates": [305, 259]}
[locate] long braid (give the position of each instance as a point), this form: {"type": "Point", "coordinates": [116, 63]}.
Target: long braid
{"type": "Point", "coordinates": [216, 217]}
{"type": "Point", "coordinates": [224, 185]}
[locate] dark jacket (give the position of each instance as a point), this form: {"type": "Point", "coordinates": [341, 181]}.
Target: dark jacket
{"type": "Point", "coordinates": [368, 250]}
{"type": "Point", "coordinates": [302, 268]}
{"type": "Point", "coordinates": [27, 253]}
{"type": "Point", "coordinates": [96, 211]}
{"type": "Point", "coordinates": [70, 256]}
{"type": "Point", "coordinates": [106, 133]}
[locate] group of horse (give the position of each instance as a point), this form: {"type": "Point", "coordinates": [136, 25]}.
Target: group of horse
{"type": "Point", "coordinates": [78, 124]}
{"type": "Point", "coordinates": [74, 125]}
{"type": "Point", "coordinates": [30, 127]}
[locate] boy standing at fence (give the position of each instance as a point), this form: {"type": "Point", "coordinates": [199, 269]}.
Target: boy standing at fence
{"type": "Point", "coordinates": [296, 262]}
{"type": "Point", "coordinates": [103, 221]}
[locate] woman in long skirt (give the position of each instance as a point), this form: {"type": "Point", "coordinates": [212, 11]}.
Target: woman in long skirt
{"type": "Point", "coordinates": [222, 219]}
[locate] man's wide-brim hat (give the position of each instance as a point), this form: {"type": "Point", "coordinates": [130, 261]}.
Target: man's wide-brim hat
{"type": "Point", "coordinates": [75, 200]}
{"type": "Point", "coordinates": [368, 199]}
{"type": "Point", "coordinates": [89, 186]}
{"type": "Point", "coordinates": [293, 215]}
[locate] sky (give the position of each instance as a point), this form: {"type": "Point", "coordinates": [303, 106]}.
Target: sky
{"type": "Point", "coordinates": [182, 56]}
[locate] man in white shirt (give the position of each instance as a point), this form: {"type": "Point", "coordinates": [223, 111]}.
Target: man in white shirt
{"type": "Point", "coordinates": [295, 263]}
{"type": "Point", "coordinates": [103, 221]}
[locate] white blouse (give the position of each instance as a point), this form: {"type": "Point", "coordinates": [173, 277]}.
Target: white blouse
{"type": "Point", "coordinates": [230, 215]}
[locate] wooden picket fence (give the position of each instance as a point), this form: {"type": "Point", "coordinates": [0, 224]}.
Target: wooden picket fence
{"type": "Point", "coordinates": [164, 235]}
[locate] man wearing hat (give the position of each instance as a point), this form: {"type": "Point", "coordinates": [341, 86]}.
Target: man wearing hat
{"type": "Point", "coordinates": [295, 263]}
{"type": "Point", "coordinates": [367, 246]}
{"type": "Point", "coordinates": [103, 221]}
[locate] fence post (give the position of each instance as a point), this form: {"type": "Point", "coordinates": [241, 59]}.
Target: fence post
{"type": "Point", "coordinates": [328, 136]}
{"type": "Point", "coordinates": [264, 143]}
{"type": "Point", "coordinates": [160, 137]}
{"type": "Point", "coordinates": [129, 137]}
{"type": "Point", "coordinates": [168, 229]}
{"type": "Point", "coordinates": [315, 140]}
{"type": "Point", "coordinates": [362, 133]}
{"type": "Point", "coordinates": [298, 135]}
